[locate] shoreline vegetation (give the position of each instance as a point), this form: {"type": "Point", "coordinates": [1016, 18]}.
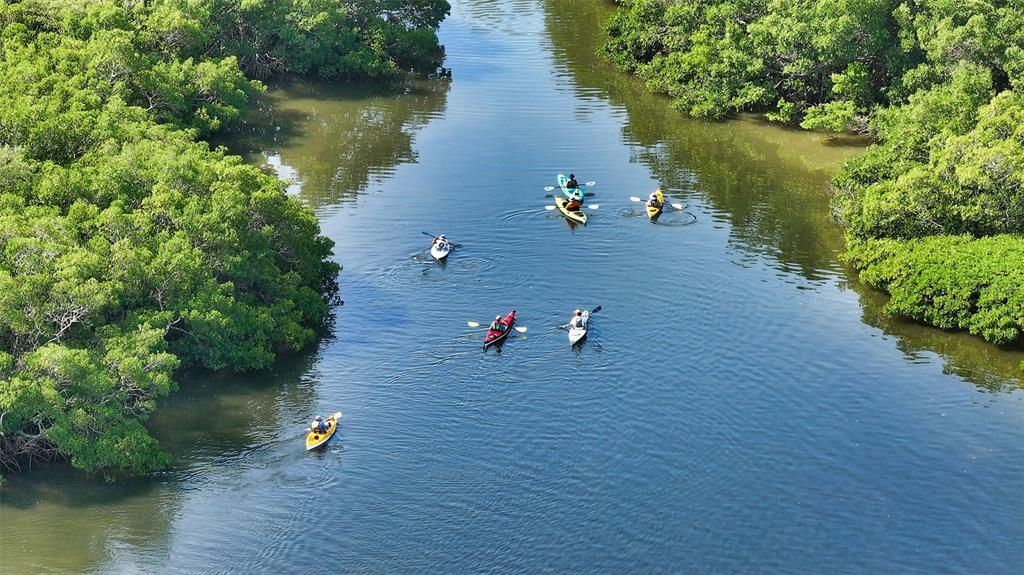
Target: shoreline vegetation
{"type": "Point", "coordinates": [933, 209]}
{"type": "Point", "coordinates": [129, 248]}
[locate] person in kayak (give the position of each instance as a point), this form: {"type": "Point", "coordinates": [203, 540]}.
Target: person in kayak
{"type": "Point", "coordinates": [496, 325]}
{"type": "Point", "coordinates": [440, 241]}
{"type": "Point", "coordinates": [318, 425]}
{"type": "Point", "coordinates": [652, 201]}
{"type": "Point", "coordinates": [575, 195]}
{"type": "Point", "coordinates": [577, 320]}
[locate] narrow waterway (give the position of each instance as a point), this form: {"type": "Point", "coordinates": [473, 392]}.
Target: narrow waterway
{"type": "Point", "coordinates": [740, 406]}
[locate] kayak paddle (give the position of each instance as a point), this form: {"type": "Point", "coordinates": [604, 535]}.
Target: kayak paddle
{"type": "Point", "coordinates": [452, 244]}
{"type": "Point", "coordinates": [585, 194]}
{"type": "Point", "coordinates": [590, 183]}
{"type": "Point", "coordinates": [519, 328]}
{"type": "Point", "coordinates": [593, 311]}
{"type": "Point", "coordinates": [667, 203]}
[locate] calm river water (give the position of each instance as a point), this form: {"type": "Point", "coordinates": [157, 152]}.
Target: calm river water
{"type": "Point", "coordinates": [741, 405]}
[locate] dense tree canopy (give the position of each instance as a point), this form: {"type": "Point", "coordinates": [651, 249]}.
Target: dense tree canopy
{"type": "Point", "coordinates": [829, 62]}
{"type": "Point", "coordinates": [937, 83]}
{"type": "Point", "coordinates": [127, 247]}
{"type": "Point", "coordinates": [330, 38]}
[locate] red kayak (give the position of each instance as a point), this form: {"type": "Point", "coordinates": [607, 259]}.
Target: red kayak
{"type": "Point", "coordinates": [495, 336]}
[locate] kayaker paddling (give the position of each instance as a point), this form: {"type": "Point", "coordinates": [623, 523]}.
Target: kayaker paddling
{"type": "Point", "coordinates": [570, 201]}
{"type": "Point", "coordinates": [318, 425]}
{"type": "Point", "coordinates": [500, 328]}
{"type": "Point", "coordinates": [653, 202]}
{"type": "Point", "coordinates": [496, 325]}
{"type": "Point", "coordinates": [577, 320]}
{"type": "Point", "coordinates": [570, 188]}
{"type": "Point", "coordinates": [321, 430]}
{"type": "Point", "coordinates": [578, 326]}
{"type": "Point", "coordinates": [440, 247]}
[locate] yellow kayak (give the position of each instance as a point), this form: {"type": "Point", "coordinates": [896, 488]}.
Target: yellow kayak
{"type": "Point", "coordinates": [314, 439]}
{"type": "Point", "coordinates": [655, 212]}
{"type": "Point", "coordinates": [574, 215]}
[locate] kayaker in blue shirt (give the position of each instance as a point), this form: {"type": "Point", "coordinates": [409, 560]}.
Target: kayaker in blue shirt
{"type": "Point", "coordinates": [496, 325]}
{"type": "Point", "coordinates": [318, 425]}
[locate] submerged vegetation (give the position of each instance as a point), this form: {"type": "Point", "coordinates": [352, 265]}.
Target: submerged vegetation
{"type": "Point", "coordinates": [129, 248]}
{"type": "Point", "coordinates": [934, 208]}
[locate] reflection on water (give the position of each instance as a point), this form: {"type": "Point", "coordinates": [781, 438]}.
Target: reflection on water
{"type": "Point", "coordinates": [332, 139]}
{"type": "Point", "coordinates": [988, 367]}
{"type": "Point", "coordinates": [53, 522]}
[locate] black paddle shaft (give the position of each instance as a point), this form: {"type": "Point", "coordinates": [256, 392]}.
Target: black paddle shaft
{"type": "Point", "coordinates": [452, 244]}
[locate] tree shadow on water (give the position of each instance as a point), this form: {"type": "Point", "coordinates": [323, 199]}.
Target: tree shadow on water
{"type": "Point", "coordinates": [334, 138]}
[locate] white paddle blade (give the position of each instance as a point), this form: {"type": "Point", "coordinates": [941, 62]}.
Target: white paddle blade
{"type": "Point", "coordinates": [520, 328]}
{"type": "Point", "coordinates": [590, 183]}
{"type": "Point", "coordinates": [472, 324]}
{"type": "Point", "coordinates": [337, 415]}
{"type": "Point", "coordinates": [548, 188]}
{"type": "Point", "coordinates": [593, 206]}
{"type": "Point", "coordinates": [634, 199]}
{"type": "Point", "coordinates": [677, 206]}
{"type": "Point", "coordinates": [549, 208]}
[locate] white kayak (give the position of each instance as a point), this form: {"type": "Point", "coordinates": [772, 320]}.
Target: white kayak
{"type": "Point", "coordinates": [576, 334]}
{"type": "Point", "coordinates": [440, 250]}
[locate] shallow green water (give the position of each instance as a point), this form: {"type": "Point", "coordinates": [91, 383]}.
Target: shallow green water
{"type": "Point", "coordinates": [741, 404]}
